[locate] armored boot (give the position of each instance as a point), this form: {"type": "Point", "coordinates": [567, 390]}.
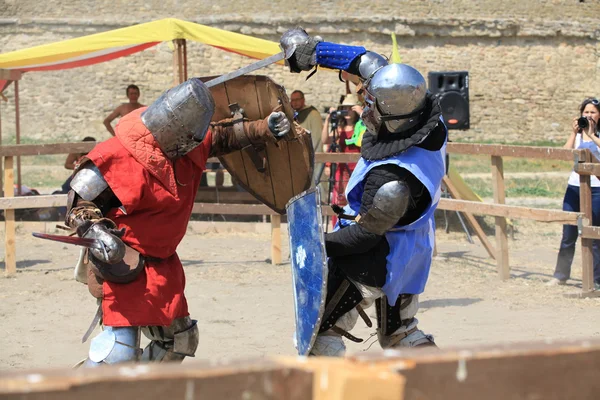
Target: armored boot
{"type": "Point", "coordinates": [397, 325]}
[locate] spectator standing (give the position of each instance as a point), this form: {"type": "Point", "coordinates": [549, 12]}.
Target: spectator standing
{"type": "Point", "coordinates": [310, 119]}
{"type": "Point", "coordinates": [580, 139]}
{"type": "Point", "coordinates": [133, 94]}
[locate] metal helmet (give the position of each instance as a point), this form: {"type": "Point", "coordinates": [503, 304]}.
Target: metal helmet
{"type": "Point", "coordinates": [394, 96]}
{"type": "Point", "coordinates": [180, 117]}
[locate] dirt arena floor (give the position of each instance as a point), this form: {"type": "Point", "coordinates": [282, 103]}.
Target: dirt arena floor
{"type": "Point", "coordinates": [244, 304]}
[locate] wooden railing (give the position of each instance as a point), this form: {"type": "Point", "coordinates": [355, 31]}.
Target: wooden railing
{"type": "Point", "coordinates": [582, 164]}
{"type": "Point", "coordinates": [516, 371]}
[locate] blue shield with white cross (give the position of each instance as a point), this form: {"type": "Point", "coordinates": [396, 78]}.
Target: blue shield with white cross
{"type": "Point", "coordinates": [309, 266]}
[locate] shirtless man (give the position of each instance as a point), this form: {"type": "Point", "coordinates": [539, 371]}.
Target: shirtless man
{"type": "Point", "coordinates": [133, 94]}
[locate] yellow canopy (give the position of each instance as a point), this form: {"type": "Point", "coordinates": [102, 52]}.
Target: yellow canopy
{"type": "Point", "coordinates": [105, 46]}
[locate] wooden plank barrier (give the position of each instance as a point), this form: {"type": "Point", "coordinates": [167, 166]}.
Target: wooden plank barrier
{"type": "Point", "coordinates": [521, 371]}
{"type": "Point", "coordinates": [228, 201]}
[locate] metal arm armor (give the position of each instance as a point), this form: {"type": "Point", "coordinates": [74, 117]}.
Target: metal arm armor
{"type": "Point", "coordinates": [389, 205]}
{"type": "Point", "coordinates": [367, 64]}
{"type": "Point", "coordinates": [90, 197]}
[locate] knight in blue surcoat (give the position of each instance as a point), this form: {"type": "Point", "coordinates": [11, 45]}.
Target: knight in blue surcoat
{"type": "Point", "coordinates": [381, 249]}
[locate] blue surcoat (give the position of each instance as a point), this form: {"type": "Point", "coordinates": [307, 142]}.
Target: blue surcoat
{"type": "Point", "coordinates": [411, 246]}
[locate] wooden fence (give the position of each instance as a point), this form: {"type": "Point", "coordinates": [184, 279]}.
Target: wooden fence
{"type": "Point", "coordinates": [567, 370]}
{"type": "Point", "coordinates": [583, 164]}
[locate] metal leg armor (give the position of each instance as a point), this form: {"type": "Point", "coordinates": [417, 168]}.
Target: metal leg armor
{"type": "Point", "coordinates": [172, 343]}
{"type": "Point", "coordinates": [114, 345]}
{"type": "Point", "coordinates": [397, 325]}
{"type": "Point", "coordinates": [341, 313]}
{"type": "Point", "coordinates": [339, 317]}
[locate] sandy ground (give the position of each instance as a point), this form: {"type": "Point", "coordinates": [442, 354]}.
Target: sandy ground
{"type": "Point", "coordinates": [244, 304]}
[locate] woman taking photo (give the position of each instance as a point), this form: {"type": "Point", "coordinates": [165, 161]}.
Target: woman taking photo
{"type": "Point", "coordinates": [581, 137]}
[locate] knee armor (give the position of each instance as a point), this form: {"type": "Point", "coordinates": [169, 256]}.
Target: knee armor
{"type": "Point", "coordinates": [114, 345]}
{"type": "Point", "coordinates": [172, 343]}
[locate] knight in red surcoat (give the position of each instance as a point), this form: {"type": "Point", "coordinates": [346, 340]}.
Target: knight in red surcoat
{"type": "Point", "coordinates": [133, 195]}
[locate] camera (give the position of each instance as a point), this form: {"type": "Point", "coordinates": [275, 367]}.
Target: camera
{"type": "Point", "coordinates": [583, 123]}
{"type": "Point", "coordinates": [337, 114]}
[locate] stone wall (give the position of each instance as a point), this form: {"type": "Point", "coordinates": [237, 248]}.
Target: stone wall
{"type": "Point", "coordinates": [530, 62]}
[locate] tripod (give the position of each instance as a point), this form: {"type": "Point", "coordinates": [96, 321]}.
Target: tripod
{"type": "Point", "coordinates": [334, 148]}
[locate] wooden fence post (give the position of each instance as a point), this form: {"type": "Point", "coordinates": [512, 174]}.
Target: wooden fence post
{"type": "Point", "coordinates": [501, 233]}
{"type": "Point", "coordinates": [585, 206]}
{"type": "Point", "coordinates": [275, 239]}
{"type": "Point", "coordinates": [10, 263]}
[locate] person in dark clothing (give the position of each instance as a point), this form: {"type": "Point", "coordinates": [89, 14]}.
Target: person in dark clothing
{"type": "Point", "coordinates": [382, 247]}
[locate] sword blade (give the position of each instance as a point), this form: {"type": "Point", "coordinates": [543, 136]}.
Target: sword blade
{"type": "Point", "coordinates": [85, 242]}
{"type": "Point", "coordinates": [248, 68]}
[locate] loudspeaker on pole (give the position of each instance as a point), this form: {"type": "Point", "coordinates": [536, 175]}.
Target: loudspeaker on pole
{"type": "Point", "coordinates": [453, 89]}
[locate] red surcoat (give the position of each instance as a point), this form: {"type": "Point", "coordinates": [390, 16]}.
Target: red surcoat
{"type": "Point", "coordinates": [158, 196]}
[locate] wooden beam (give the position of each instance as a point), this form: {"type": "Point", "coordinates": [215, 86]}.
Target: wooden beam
{"type": "Point", "coordinates": [276, 239]}
{"type": "Point", "coordinates": [83, 147]}
{"type": "Point", "coordinates": [552, 153]}
{"type": "Point", "coordinates": [516, 212]}
{"type": "Point", "coordinates": [590, 232]}
{"type": "Point", "coordinates": [515, 371]}
{"type": "Point", "coordinates": [13, 203]}
{"type": "Point", "coordinates": [185, 60]}
{"type": "Point", "coordinates": [224, 196]}
{"type": "Point", "coordinates": [232, 209]}
{"type": "Point", "coordinates": [178, 62]}
{"type": "Point", "coordinates": [18, 135]}
{"type": "Point", "coordinates": [10, 250]}
{"type": "Point", "coordinates": [501, 233]}
{"type": "Point", "coordinates": [10, 75]}
{"type": "Point", "coordinates": [470, 219]}
{"type": "Point", "coordinates": [38, 149]}
{"type": "Point", "coordinates": [262, 379]}
{"type": "Point", "coordinates": [587, 169]}
{"type": "Point", "coordinates": [336, 157]}
{"type": "Point", "coordinates": [507, 211]}
{"type": "Point", "coordinates": [1, 167]}
{"type": "Point", "coordinates": [587, 255]}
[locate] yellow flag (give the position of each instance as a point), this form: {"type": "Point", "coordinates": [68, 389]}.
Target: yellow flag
{"type": "Point", "coordinates": [395, 55]}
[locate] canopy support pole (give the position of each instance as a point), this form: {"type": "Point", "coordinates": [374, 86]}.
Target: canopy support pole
{"type": "Point", "coordinates": [18, 135]}
{"type": "Point", "coordinates": [179, 61]}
